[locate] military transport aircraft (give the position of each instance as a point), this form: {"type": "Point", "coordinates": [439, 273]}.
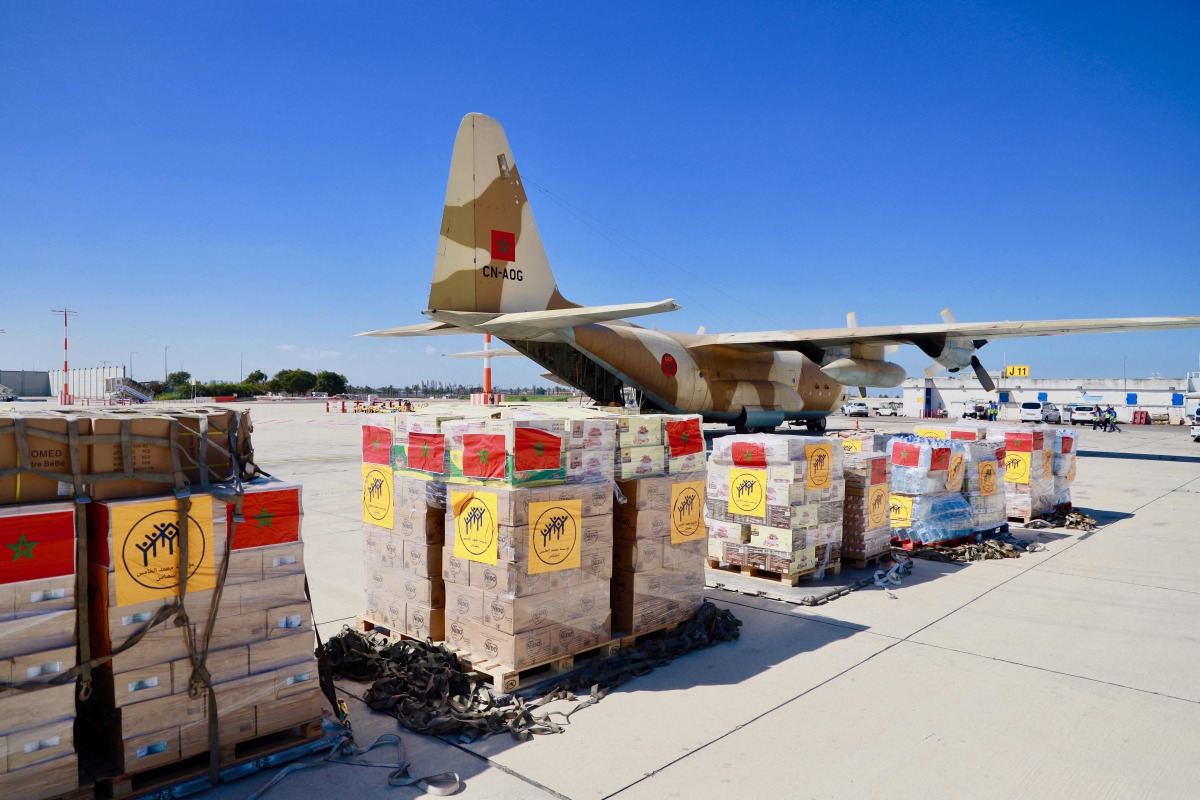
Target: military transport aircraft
{"type": "Point", "coordinates": [491, 275]}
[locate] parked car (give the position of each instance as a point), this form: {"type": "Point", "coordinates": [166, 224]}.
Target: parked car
{"type": "Point", "coordinates": [889, 410]}
{"type": "Point", "coordinates": [1035, 411]}
{"type": "Point", "coordinates": [1083, 413]}
{"type": "Point", "coordinates": [856, 409]}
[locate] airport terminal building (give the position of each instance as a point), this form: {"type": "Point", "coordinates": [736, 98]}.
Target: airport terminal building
{"type": "Point", "coordinates": [1172, 397]}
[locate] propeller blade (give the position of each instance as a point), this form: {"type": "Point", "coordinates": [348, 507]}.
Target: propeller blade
{"type": "Point", "coordinates": [934, 369]}
{"type": "Point", "coordinates": [851, 319]}
{"type": "Point", "coordinates": [888, 349]}
{"type": "Point", "coordinates": [985, 380]}
{"type": "Point", "coordinates": [948, 317]}
{"type": "Point", "coordinates": [700, 331]}
{"type": "Point", "coordinates": [862, 392]}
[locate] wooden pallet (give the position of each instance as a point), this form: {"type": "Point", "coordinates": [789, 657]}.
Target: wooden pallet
{"type": "Point", "coordinates": [630, 641]}
{"type": "Point", "coordinates": [365, 624]}
{"type": "Point", "coordinates": [831, 570]}
{"type": "Point", "coordinates": [506, 679]}
{"type": "Point", "coordinates": [190, 776]}
{"type": "Point", "coordinates": [863, 562]}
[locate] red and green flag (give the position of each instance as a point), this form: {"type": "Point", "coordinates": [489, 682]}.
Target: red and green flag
{"type": "Point", "coordinates": [684, 437]}
{"type": "Point", "coordinates": [272, 516]}
{"type": "Point", "coordinates": [36, 547]}
{"type": "Point", "coordinates": [483, 455]}
{"type": "Point", "coordinates": [376, 444]}
{"type": "Point", "coordinates": [536, 449]}
{"type": "Point", "coordinates": [427, 452]}
{"type": "Point", "coordinates": [749, 454]}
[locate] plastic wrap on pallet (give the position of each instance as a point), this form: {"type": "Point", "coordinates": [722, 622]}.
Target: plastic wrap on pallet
{"type": "Point", "coordinates": [1065, 441]}
{"type": "Point", "coordinates": [931, 518]}
{"type": "Point", "coordinates": [925, 466]}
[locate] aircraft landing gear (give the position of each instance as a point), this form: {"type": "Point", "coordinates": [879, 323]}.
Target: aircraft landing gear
{"type": "Point", "coordinates": [742, 429]}
{"type": "Point", "coordinates": [816, 425]}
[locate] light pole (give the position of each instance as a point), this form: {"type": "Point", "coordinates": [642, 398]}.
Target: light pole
{"type": "Point", "coordinates": [64, 398]}
{"type": "Point", "coordinates": [165, 349]}
{"type": "Point", "coordinates": [131, 355]}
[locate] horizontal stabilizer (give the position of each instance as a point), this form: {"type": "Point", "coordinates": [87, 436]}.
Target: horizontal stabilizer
{"type": "Point", "coordinates": [422, 329]}
{"type": "Point", "coordinates": [528, 324]}
{"type": "Point", "coordinates": [507, 353]}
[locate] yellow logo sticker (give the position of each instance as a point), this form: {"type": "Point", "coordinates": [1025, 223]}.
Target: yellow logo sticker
{"type": "Point", "coordinates": [852, 445]}
{"type": "Point", "coordinates": [1048, 464]}
{"type": "Point", "coordinates": [954, 475]}
{"type": "Point", "coordinates": [877, 506]}
{"type": "Point", "coordinates": [900, 511]}
{"type": "Point", "coordinates": [930, 433]}
{"type": "Point", "coordinates": [476, 527]}
{"type": "Point", "coordinates": [555, 538]}
{"type": "Point", "coordinates": [748, 492]}
{"type": "Point", "coordinates": [687, 512]}
{"type": "Point", "coordinates": [987, 478]}
{"type": "Point", "coordinates": [820, 465]}
{"type": "Point", "coordinates": [377, 495]}
{"type": "Point", "coordinates": [1016, 467]}
{"type": "Point", "coordinates": [146, 543]}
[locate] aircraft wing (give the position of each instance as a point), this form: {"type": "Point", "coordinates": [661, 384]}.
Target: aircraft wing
{"type": "Point", "coordinates": [928, 334]}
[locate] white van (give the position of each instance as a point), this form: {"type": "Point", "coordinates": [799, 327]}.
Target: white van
{"type": "Point", "coordinates": [1034, 411]}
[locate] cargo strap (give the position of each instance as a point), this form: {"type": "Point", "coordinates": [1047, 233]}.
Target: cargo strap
{"type": "Point", "coordinates": [423, 685]}
{"type": "Point", "coordinates": [1000, 547]}
{"type": "Point", "coordinates": [441, 785]}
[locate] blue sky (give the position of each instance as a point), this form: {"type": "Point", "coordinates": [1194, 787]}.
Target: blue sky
{"type": "Point", "coordinates": [260, 181]}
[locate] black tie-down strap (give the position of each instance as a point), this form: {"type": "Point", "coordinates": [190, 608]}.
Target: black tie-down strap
{"type": "Point", "coordinates": [423, 686]}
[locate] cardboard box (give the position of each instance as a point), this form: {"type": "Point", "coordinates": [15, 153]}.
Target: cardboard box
{"type": "Point", "coordinates": [422, 559]}
{"type": "Point", "coordinates": [286, 712]}
{"type": "Point", "coordinates": [145, 751]}
{"type": "Point", "coordinates": [225, 664]}
{"type": "Point", "coordinates": [35, 634]}
{"type": "Point", "coordinates": [152, 715]}
{"type": "Point", "coordinates": [283, 559]}
{"type": "Point", "coordinates": [422, 622]}
{"type": "Point", "coordinates": [279, 652]}
{"type": "Point", "coordinates": [47, 779]}
{"type": "Point", "coordinates": [634, 587]}
{"type": "Point", "coordinates": [641, 462]}
{"type": "Point", "coordinates": [143, 683]}
{"type": "Point", "coordinates": [464, 604]}
{"type": "Point", "coordinates": [271, 592]}
{"type": "Point", "coordinates": [514, 651]}
{"type": "Point", "coordinates": [420, 523]}
{"type": "Point", "coordinates": [650, 523]}
{"type": "Point", "coordinates": [31, 598]}
{"type": "Point", "coordinates": [22, 710]}
{"type": "Point", "coordinates": [516, 614]}
{"type": "Point", "coordinates": [37, 667]}
{"type": "Point", "coordinates": [46, 455]}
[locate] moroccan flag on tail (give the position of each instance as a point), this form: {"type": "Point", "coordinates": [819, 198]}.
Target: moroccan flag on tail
{"type": "Point", "coordinates": [376, 444]}
{"type": "Point", "coordinates": [271, 516]}
{"type": "Point", "coordinates": [749, 454]}
{"type": "Point", "coordinates": [427, 452]}
{"type": "Point", "coordinates": [684, 437]}
{"type": "Point", "coordinates": [483, 455]}
{"type": "Point", "coordinates": [36, 547]}
{"type": "Point", "coordinates": [536, 449]}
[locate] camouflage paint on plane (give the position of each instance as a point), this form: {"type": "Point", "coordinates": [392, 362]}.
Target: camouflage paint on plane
{"type": "Point", "coordinates": [492, 275]}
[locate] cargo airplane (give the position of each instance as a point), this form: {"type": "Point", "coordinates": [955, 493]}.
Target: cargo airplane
{"type": "Point", "coordinates": [491, 275]}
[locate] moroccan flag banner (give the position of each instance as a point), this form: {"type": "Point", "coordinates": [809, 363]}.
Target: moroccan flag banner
{"type": "Point", "coordinates": [684, 437]}
{"type": "Point", "coordinates": [536, 449]}
{"type": "Point", "coordinates": [270, 517]}
{"type": "Point", "coordinates": [376, 444]}
{"type": "Point", "coordinates": [483, 455]}
{"type": "Point", "coordinates": [36, 547]}
{"type": "Point", "coordinates": [427, 452]}
{"type": "Point", "coordinates": [749, 454]}
{"type": "Point", "coordinates": [504, 246]}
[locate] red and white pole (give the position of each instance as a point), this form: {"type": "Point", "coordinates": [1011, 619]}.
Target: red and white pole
{"type": "Point", "coordinates": [64, 397]}
{"type": "Point", "coordinates": [487, 366]}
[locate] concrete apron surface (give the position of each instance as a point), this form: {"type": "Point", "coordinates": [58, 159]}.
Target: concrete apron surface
{"type": "Point", "coordinates": [1065, 673]}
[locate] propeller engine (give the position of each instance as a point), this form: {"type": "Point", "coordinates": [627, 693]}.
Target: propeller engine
{"type": "Point", "coordinates": [958, 353]}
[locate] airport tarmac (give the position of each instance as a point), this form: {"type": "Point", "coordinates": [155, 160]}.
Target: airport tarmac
{"type": "Point", "coordinates": [1073, 672]}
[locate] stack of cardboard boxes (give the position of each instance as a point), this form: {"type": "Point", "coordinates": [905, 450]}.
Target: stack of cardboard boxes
{"type": "Point", "coordinates": [37, 642]}
{"type": "Point", "coordinates": [1065, 442]}
{"type": "Point", "coordinates": [1029, 472]}
{"type": "Point", "coordinates": [982, 486]}
{"type": "Point", "coordinates": [659, 545]}
{"type": "Point", "coordinates": [866, 523]}
{"type": "Point", "coordinates": [403, 535]}
{"type": "Point", "coordinates": [775, 503]}
{"type": "Point", "coordinates": [528, 556]}
{"type": "Point", "coordinates": [147, 706]}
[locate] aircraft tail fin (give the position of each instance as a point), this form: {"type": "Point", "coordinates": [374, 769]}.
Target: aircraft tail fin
{"type": "Point", "coordinates": [490, 256]}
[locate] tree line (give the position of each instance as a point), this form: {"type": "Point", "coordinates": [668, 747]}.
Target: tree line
{"type": "Point", "coordinates": [295, 382]}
